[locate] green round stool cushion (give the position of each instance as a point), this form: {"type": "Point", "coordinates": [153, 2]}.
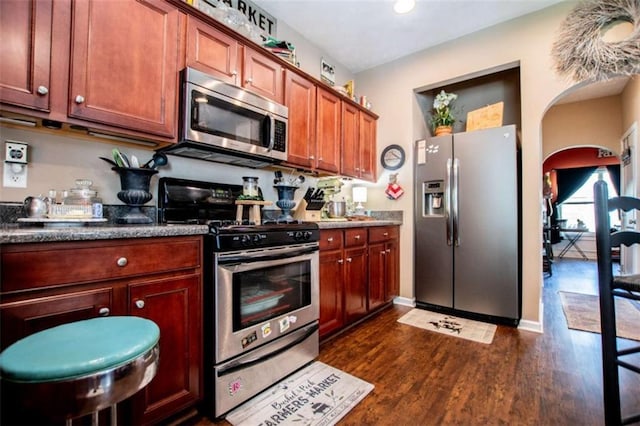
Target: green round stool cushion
{"type": "Point", "coordinates": [78, 349]}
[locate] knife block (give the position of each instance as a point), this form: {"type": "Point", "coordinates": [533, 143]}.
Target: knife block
{"type": "Point", "coordinates": [301, 213]}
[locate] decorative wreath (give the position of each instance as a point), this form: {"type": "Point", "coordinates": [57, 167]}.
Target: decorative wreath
{"type": "Point", "coordinates": [580, 50]}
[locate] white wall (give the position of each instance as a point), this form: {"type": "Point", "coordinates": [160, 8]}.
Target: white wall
{"type": "Point", "coordinates": [390, 88]}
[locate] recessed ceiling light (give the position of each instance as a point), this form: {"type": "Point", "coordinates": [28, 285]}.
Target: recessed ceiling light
{"type": "Point", "coordinates": [404, 6]}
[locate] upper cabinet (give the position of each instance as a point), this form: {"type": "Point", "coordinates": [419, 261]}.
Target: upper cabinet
{"type": "Point", "coordinates": [25, 31]}
{"type": "Point", "coordinates": [328, 131]}
{"type": "Point", "coordinates": [124, 73]}
{"type": "Point", "coordinates": [358, 143]}
{"type": "Point", "coordinates": [300, 98]}
{"type": "Point", "coordinates": [214, 52]}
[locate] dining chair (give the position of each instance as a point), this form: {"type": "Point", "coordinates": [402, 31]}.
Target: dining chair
{"type": "Point", "coordinates": [610, 288]}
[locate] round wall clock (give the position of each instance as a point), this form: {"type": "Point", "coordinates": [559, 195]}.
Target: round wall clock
{"type": "Point", "coordinates": [392, 157]}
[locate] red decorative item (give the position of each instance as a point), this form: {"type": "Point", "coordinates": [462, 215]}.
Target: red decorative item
{"type": "Point", "coordinates": [394, 191]}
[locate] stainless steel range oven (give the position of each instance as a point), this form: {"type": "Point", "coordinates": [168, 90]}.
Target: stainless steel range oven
{"type": "Point", "coordinates": [261, 292]}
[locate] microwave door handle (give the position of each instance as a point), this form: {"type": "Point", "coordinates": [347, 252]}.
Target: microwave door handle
{"type": "Point", "coordinates": [272, 131]}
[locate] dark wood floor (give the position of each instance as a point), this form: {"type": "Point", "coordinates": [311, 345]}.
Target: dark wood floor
{"type": "Point", "coordinates": [522, 378]}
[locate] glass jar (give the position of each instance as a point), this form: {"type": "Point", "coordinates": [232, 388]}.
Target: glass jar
{"type": "Point", "coordinates": [250, 186]}
{"type": "Point", "coordinates": [84, 197]}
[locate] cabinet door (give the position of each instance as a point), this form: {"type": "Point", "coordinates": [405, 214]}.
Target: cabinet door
{"type": "Point", "coordinates": [331, 291]}
{"type": "Point", "coordinates": [377, 276]}
{"type": "Point", "coordinates": [124, 64]}
{"type": "Point", "coordinates": [355, 283]}
{"type": "Point", "coordinates": [300, 98]}
{"type": "Point", "coordinates": [22, 318]}
{"type": "Point", "coordinates": [350, 135]}
{"type": "Point", "coordinates": [263, 75]}
{"type": "Point", "coordinates": [212, 51]}
{"type": "Point", "coordinates": [25, 52]}
{"type": "Point", "coordinates": [328, 134]}
{"type": "Point", "coordinates": [392, 249]}
{"type": "Point", "coordinates": [174, 304]}
{"type": "Point", "coordinates": [367, 147]}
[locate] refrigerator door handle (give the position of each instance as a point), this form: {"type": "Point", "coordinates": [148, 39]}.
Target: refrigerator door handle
{"type": "Point", "coordinates": [447, 202]}
{"type": "Point", "coordinates": [455, 200]}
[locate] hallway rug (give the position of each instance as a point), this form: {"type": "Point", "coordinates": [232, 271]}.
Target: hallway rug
{"type": "Point", "coordinates": [582, 312]}
{"type": "Point", "coordinates": [452, 326]}
{"type": "Point", "coordinates": [316, 395]}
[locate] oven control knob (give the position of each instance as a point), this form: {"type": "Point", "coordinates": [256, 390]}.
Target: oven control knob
{"type": "Point", "coordinates": [307, 235]}
{"type": "Point", "coordinates": [256, 238]}
{"type": "Point", "coordinates": [297, 236]}
{"type": "Point", "coordinates": [245, 240]}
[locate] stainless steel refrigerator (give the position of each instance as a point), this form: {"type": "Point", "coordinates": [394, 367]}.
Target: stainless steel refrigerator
{"type": "Point", "coordinates": [467, 224]}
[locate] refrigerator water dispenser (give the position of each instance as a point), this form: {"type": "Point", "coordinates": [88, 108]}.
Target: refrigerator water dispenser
{"type": "Point", "coordinates": [433, 198]}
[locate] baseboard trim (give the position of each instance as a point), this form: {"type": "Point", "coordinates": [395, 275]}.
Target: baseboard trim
{"type": "Point", "coordinates": [534, 326]}
{"type": "Point", "coordinates": [405, 301]}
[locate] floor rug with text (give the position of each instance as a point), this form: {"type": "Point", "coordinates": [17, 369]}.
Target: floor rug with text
{"type": "Point", "coordinates": [316, 395]}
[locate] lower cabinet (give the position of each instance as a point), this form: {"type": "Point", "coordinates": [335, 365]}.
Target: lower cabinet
{"type": "Point", "coordinates": [155, 278]}
{"type": "Point", "coordinates": [358, 274]}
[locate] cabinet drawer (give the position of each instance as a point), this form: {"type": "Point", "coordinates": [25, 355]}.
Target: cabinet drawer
{"type": "Point", "coordinates": [330, 239]}
{"type": "Point", "coordinates": [382, 233]}
{"type": "Point", "coordinates": [32, 266]}
{"type": "Point", "coordinates": [355, 237]}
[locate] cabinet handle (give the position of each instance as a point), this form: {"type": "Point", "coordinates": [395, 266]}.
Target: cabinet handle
{"type": "Point", "coordinates": [386, 234]}
{"type": "Point", "coordinates": [349, 259]}
{"type": "Point", "coordinates": [234, 72]}
{"type": "Point", "coordinates": [311, 157]}
{"type": "Point", "coordinates": [42, 90]}
{"type": "Point", "coordinates": [357, 169]}
{"type": "Point", "coordinates": [139, 304]}
{"type": "Point", "coordinates": [383, 252]}
{"type": "Point", "coordinates": [340, 261]}
{"type": "Point", "coordinates": [357, 237]}
{"type": "Point", "coordinates": [330, 239]}
{"type": "Point", "coordinates": [104, 312]}
{"type": "Point", "coordinates": [79, 99]}
{"type": "Point", "coordinates": [388, 250]}
{"type": "Point", "coordinates": [319, 158]}
{"type": "Point", "coordinates": [249, 80]}
{"type": "Point", "coordinates": [122, 261]}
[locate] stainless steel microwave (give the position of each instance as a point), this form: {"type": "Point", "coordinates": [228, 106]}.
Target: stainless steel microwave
{"type": "Point", "coordinates": [225, 123]}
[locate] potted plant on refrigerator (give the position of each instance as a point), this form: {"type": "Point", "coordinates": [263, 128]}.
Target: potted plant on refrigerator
{"type": "Point", "coordinates": [442, 116]}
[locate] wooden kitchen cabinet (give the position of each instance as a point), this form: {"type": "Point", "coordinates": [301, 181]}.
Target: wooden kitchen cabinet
{"type": "Point", "coordinates": [155, 278]}
{"type": "Point", "coordinates": [328, 131]}
{"type": "Point", "coordinates": [125, 64]}
{"type": "Point", "coordinates": [358, 143]}
{"type": "Point", "coordinates": [383, 266]}
{"type": "Point", "coordinates": [212, 51]}
{"type": "Point", "coordinates": [300, 98]}
{"type": "Point", "coordinates": [220, 55]}
{"type": "Point", "coordinates": [25, 31]}
{"type": "Point", "coordinates": [331, 284]}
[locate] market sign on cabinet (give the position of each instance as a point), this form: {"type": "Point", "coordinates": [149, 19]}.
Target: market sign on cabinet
{"type": "Point", "coordinates": [259, 18]}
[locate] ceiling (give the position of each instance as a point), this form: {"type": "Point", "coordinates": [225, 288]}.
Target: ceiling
{"type": "Point", "coordinates": [362, 34]}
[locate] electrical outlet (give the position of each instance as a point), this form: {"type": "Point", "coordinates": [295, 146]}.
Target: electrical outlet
{"type": "Point", "coordinates": [15, 152]}
{"type": "Point", "coordinates": [15, 175]}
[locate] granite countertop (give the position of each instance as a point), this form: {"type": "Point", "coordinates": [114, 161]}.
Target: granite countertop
{"type": "Point", "coordinates": [11, 234]}
{"type": "Point", "coordinates": [337, 224]}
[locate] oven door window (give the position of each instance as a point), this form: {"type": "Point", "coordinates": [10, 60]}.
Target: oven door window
{"type": "Point", "coordinates": [227, 120]}
{"type": "Point", "coordinates": [262, 294]}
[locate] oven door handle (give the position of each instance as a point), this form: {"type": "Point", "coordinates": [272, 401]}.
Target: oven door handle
{"type": "Point", "coordinates": [253, 361]}
{"type": "Point", "coordinates": [252, 258]}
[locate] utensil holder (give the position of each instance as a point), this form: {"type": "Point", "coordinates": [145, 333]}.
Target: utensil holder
{"type": "Point", "coordinates": [135, 193]}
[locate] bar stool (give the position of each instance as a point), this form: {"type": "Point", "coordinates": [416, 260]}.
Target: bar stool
{"type": "Point", "coordinates": [81, 367]}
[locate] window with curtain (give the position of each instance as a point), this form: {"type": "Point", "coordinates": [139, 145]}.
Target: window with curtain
{"type": "Point", "coordinates": [579, 204]}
